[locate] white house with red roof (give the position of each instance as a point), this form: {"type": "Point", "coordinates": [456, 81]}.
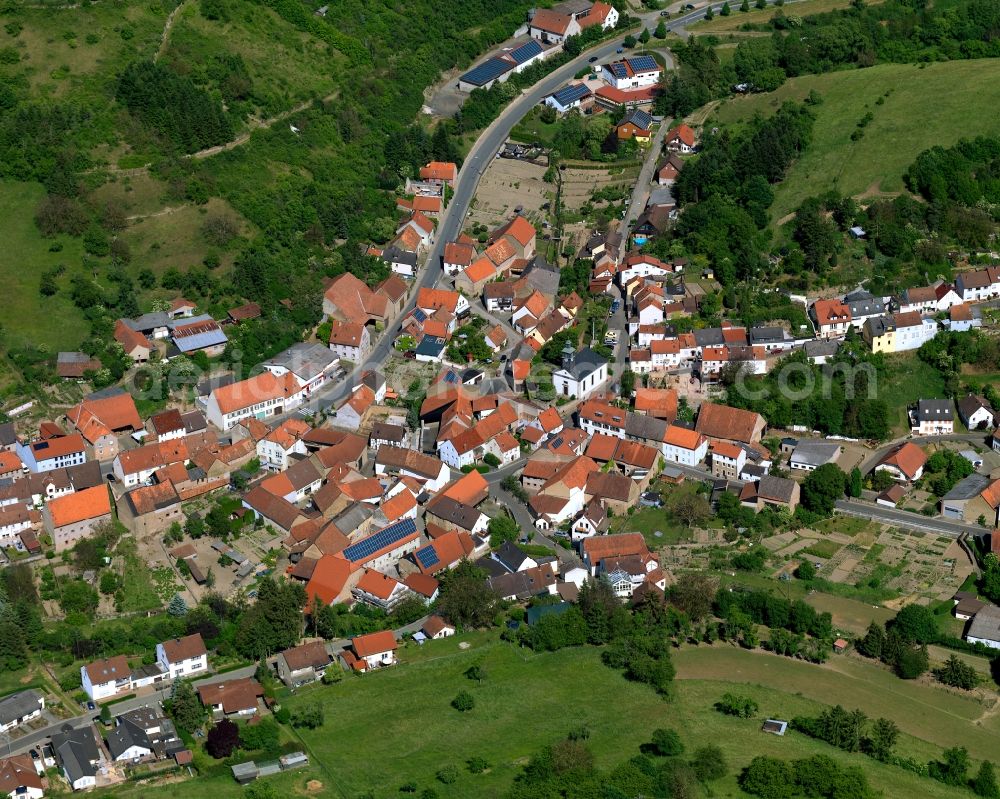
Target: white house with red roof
{"type": "Point", "coordinates": [182, 657]}
{"type": "Point", "coordinates": [261, 396]}
{"type": "Point", "coordinates": [680, 139]}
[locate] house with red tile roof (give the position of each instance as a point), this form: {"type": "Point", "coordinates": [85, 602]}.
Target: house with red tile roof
{"type": "Point", "coordinates": [660, 403]}
{"type": "Point", "coordinates": [348, 298]}
{"type": "Point", "coordinates": [354, 409]}
{"type": "Point", "coordinates": [905, 462]}
{"type": "Point", "coordinates": [69, 518]}
{"type": "Point", "coordinates": [101, 421]}
{"type": "Point", "coordinates": [475, 276]}
{"type": "Point", "coordinates": [457, 256]}
{"type": "Point", "coordinates": [379, 590]}
{"type": "Point", "coordinates": [832, 318]}
{"type": "Point", "coordinates": [136, 345]}
{"type": "Point", "coordinates": [520, 233]}
{"type": "Point", "coordinates": [680, 139]}
{"type": "Point", "coordinates": [723, 423]}
{"type": "Point", "coordinates": [551, 27]}
{"type": "Point", "coordinates": [262, 396]}
{"type": "Point", "coordinates": [372, 651]}
{"type": "Point", "coordinates": [441, 172]}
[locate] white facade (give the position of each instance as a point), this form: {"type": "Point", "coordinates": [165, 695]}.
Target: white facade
{"type": "Point", "coordinates": [48, 464]}
{"type": "Point", "coordinates": [354, 353]}
{"type": "Point", "coordinates": [274, 456]}
{"type": "Point", "coordinates": [183, 668]}
{"type": "Point", "coordinates": [683, 455]}
{"type": "Point", "coordinates": [104, 689]}
{"type": "Point", "coordinates": [260, 410]}
{"type": "Point", "coordinates": [915, 336]}
{"type": "Point", "coordinates": [454, 458]}
{"type": "Point", "coordinates": [582, 386]}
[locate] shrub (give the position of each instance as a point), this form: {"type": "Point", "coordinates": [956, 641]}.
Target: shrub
{"type": "Point", "coordinates": [448, 774]}
{"type": "Point", "coordinates": [666, 742]}
{"type": "Point", "coordinates": [463, 702]}
{"type": "Point", "coordinates": [477, 765]}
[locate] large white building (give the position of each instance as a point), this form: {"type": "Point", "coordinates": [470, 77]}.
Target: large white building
{"type": "Point", "coordinates": [261, 397]}
{"type": "Point", "coordinates": [634, 72]}
{"type": "Point", "coordinates": [582, 373]}
{"type": "Point", "coordinates": [182, 657]}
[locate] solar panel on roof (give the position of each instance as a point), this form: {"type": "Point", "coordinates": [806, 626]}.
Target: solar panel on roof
{"type": "Point", "coordinates": [643, 63]}
{"type": "Point", "coordinates": [525, 51]}
{"type": "Point", "coordinates": [383, 538]}
{"type": "Point", "coordinates": [487, 71]}
{"type": "Point", "coordinates": [618, 69]}
{"type": "Point", "coordinates": [570, 94]}
{"type": "Point", "coordinates": [427, 556]}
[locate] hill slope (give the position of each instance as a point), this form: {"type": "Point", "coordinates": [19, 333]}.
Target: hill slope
{"type": "Point", "coordinates": [923, 106]}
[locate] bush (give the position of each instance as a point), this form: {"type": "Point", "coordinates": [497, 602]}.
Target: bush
{"type": "Point", "coordinates": [448, 774]}
{"type": "Point", "coordinates": [477, 765]}
{"type": "Point", "coordinates": [666, 743]}
{"type": "Point", "coordinates": [463, 702]}
{"type": "Point", "coordinates": [734, 705]}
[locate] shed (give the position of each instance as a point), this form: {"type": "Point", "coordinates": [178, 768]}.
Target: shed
{"type": "Point", "coordinates": [245, 773]}
{"type": "Point", "coordinates": [775, 726]}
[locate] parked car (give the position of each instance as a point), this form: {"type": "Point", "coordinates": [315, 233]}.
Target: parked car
{"type": "Point", "coordinates": [664, 13]}
{"type": "Point", "coordinates": [615, 305]}
{"type": "Point", "coordinates": [620, 50]}
{"type": "Point", "coordinates": [91, 706]}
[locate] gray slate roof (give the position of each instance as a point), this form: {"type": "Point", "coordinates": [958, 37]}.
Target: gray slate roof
{"type": "Point", "coordinates": [17, 706]}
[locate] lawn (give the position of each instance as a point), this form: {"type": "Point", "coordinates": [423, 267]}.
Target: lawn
{"type": "Point", "coordinates": [849, 615]}
{"type": "Point", "coordinates": [757, 16]}
{"type": "Point", "coordinates": [925, 105]}
{"type": "Point", "coordinates": [926, 712]}
{"type": "Point", "coordinates": [30, 317]}
{"type": "Point", "coordinates": [139, 589]}
{"type": "Point", "coordinates": [650, 521]}
{"type": "Point", "coordinates": [823, 548]}
{"type": "Point", "coordinates": [387, 728]}
{"type": "Point", "coordinates": [908, 380]}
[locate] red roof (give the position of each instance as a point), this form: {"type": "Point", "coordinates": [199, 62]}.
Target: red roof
{"type": "Point", "coordinates": [91, 503]}
{"type": "Point", "coordinates": [374, 643]}
{"type": "Point", "coordinates": [519, 228]}
{"type": "Point", "coordinates": [257, 389]}
{"type": "Point", "coordinates": [377, 584]}
{"type": "Point", "coordinates": [683, 133]}
{"type": "Point", "coordinates": [439, 170]}
{"type": "Point", "coordinates": [457, 253]}
{"type": "Point", "coordinates": [831, 312]}
{"type": "Point", "coordinates": [328, 579]}
{"type": "Point", "coordinates": [423, 584]}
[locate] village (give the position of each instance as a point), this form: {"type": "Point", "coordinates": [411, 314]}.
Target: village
{"type": "Point", "coordinates": [477, 409]}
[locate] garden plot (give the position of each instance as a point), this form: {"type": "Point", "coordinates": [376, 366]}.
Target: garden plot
{"type": "Point", "coordinates": [507, 184]}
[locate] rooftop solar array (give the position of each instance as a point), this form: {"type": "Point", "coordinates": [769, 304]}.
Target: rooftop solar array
{"type": "Point", "coordinates": [427, 556]}
{"type": "Point", "coordinates": [641, 119]}
{"type": "Point", "coordinates": [385, 537]}
{"type": "Point", "coordinates": [618, 69]}
{"type": "Point", "coordinates": [570, 94]}
{"type": "Point", "coordinates": [526, 51]}
{"type": "Point", "coordinates": [486, 72]}
{"type": "Point", "coordinates": [643, 63]}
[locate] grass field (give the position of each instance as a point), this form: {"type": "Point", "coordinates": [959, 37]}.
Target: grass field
{"type": "Point", "coordinates": [929, 104]}
{"type": "Point", "coordinates": [387, 728]}
{"type": "Point", "coordinates": [732, 23]}
{"type": "Point", "coordinates": [908, 380]}
{"type": "Point", "coordinates": [31, 318]}
{"type": "Point", "coordinates": [926, 712]}
{"type": "Point", "coordinates": [849, 614]}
